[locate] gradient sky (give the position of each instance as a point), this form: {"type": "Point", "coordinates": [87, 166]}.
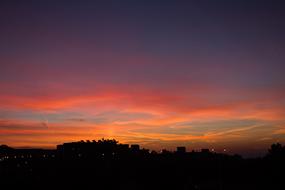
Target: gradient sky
{"type": "Point", "coordinates": [157, 73]}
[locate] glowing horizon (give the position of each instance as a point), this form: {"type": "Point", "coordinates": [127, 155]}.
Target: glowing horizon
{"type": "Point", "coordinates": [190, 74]}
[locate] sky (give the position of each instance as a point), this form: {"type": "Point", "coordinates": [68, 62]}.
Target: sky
{"type": "Point", "coordinates": [200, 74]}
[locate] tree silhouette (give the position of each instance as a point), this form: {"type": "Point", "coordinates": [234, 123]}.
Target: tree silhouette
{"type": "Point", "coordinates": [276, 150]}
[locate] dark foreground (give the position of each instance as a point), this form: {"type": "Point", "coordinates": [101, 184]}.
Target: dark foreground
{"type": "Point", "coordinates": [108, 165]}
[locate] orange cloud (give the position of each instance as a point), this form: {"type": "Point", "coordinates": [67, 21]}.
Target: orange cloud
{"type": "Point", "coordinates": [164, 109]}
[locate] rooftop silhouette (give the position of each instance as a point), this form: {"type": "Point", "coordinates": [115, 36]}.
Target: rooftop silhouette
{"type": "Point", "coordinates": [107, 164]}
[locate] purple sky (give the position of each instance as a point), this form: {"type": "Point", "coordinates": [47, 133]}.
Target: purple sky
{"type": "Point", "coordinates": [158, 73]}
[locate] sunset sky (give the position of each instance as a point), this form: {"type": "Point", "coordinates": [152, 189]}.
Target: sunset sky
{"type": "Point", "coordinates": [156, 73]}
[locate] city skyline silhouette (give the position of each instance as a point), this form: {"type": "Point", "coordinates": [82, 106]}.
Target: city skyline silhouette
{"type": "Point", "coordinates": [142, 94]}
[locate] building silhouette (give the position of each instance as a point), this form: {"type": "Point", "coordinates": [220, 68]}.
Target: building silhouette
{"type": "Point", "coordinates": [181, 149]}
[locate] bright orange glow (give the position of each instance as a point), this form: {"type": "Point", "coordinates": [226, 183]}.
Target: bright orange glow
{"type": "Point", "coordinates": [138, 117]}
